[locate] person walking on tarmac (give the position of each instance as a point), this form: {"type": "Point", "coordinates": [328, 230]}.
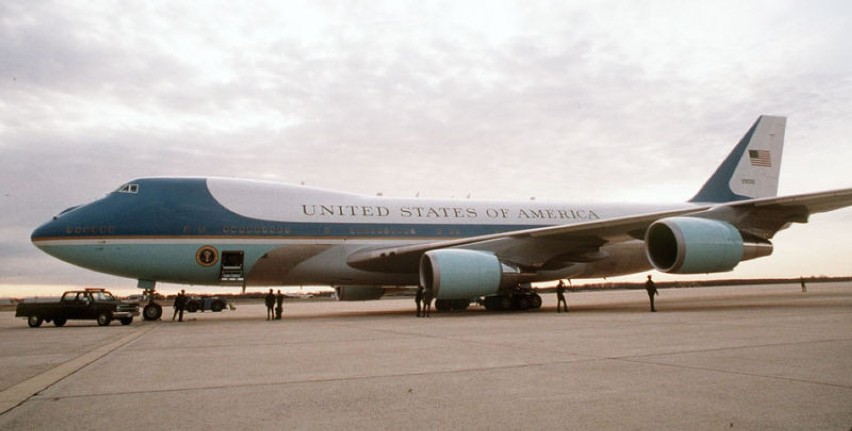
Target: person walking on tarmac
{"type": "Point", "coordinates": [560, 297]}
{"type": "Point", "coordinates": [652, 291]}
{"type": "Point", "coordinates": [180, 305]}
{"type": "Point", "coordinates": [418, 299]}
{"type": "Point", "coordinates": [270, 305]}
{"type": "Point", "coordinates": [279, 305]}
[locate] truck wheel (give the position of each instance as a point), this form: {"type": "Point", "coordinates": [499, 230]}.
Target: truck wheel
{"type": "Point", "coordinates": [217, 306]}
{"type": "Point", "coordinates": [152, 312]}
{"type": "Point", "coordinates": [59, 321]}
{"type": "Point", "coordinates": [104, 318]}
{"type": "Point", "coordinates": [126, 320]}
{"type": "Point", "coordinates": [192, 307]}
{"type": "Point", "coordinates": [34, 321]}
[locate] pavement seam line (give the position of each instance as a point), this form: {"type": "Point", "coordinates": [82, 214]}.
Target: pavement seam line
{"type": "Point", "coordinates": [18, 394]}
{"type": "Point", "coordinates": [734, 373]}
{"type": "Point", "coordinates": [336, 379]}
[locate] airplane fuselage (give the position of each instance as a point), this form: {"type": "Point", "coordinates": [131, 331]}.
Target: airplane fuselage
{"type": "Point", "coordinates": [225, 231]}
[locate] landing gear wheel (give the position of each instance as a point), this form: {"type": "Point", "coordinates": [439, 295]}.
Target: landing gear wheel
{"type": "Point", "coordinates": [460, 304]}
{"type": "Point", "coordinates": [443, 305]}
{"type": "Point", "coordinates": [152, 312]}
{"type": "Point", "coordinates": [34, 321]}
{"type": "Point", "coordinates": [59, 321]}
{"type": "Point", "coordinates": [491, 303]}
{"type": "Point", "coordinates": [104, 318]}
{"type": "Point", "coordinates": [535, 301]}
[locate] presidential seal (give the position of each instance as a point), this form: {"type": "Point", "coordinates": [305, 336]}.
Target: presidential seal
{"type": "Point", "coordinates": [207, 256]}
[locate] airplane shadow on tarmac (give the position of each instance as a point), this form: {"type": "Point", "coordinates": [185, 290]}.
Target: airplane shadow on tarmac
{"type": "Point", "coordinates": [665, 304]}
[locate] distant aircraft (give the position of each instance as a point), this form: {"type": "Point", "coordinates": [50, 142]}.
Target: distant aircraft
{"type": "Point", "coordinates": [217, 231]}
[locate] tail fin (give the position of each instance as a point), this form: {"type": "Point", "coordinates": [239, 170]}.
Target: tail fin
{"type": "Point", "coordinates": [751, 169]}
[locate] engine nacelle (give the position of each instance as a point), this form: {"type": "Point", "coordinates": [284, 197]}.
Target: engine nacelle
{"type": "Point", "coordinates": [691, 245]}
{"type": "Point", "coordinates": [459, 273]}
{"type": "Point", "coordinates": [358, 293]}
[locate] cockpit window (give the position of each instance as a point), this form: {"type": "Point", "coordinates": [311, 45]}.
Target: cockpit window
{"type": "Point", "coordinates": [129, 188]}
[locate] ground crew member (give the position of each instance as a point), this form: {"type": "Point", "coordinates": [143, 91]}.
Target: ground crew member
{"type": "Point", "coordinates": [279, 302]}
{"type": "Point", "coordinates": [652, 291]}
{"type": "Point", "coordinates": [270, 304]}
{"type": "Point", "coordinates": [418, 299]}
{"type": "Point", "coordinates": [180, 305]}
{"type": "Point", "coordinates": [560, 297]}
{"type": "Point", "coordinates": [427, 301]}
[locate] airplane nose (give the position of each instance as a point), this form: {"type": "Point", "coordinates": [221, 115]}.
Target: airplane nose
{"type": "Point", "coordinates": [54, 228]}
{"type": "Point", "coordinates": [44, 232]}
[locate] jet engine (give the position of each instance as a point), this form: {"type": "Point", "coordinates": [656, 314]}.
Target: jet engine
{"type": "Point", "coordinates": [459, 273]}
{"type": "Point", "coordinates": [358, 293]}
{"type": "Point", "coordinates": [691, 245]}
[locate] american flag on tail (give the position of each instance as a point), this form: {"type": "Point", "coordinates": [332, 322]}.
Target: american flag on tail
{"type": "Point", "coordinates": [760, 158]}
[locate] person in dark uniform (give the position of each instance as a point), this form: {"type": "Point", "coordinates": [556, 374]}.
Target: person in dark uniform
{"type": "Point", "coordinates": [560, 297]}
{"type": "Point", "coordinates": [427, 301]}
{"type": "Point", "coordinates": [652, 291]}
{"type": "Point", "coordinates": [802, 281]}
{"type": "Point", "coordinates": [270, 305]}
{"type": "Point", "coordinates": [418, 299]}
{"type": "Point", "coordinates": [180, 305]}
{"type": "Point", "coordinates": [279, 305]}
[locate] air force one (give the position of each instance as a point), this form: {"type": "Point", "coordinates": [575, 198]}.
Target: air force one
{"type": "Point", "coordinates": [218, 231]}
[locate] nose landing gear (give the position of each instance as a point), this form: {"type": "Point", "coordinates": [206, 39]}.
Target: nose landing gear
{"type": "Point", "coordinates": [152, 311]}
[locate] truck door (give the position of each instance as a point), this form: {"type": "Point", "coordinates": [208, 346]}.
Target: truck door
{"type": "Point", "coordinates": [232, 266]}
{"type": "Point", "coordinates": [74, 305]}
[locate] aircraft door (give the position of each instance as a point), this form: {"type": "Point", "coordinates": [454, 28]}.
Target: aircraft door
{"type": "Point", "coordinates": [232, 266]}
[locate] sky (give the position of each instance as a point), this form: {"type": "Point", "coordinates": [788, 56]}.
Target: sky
{"type": "Point", "coordinates": [566, 100]}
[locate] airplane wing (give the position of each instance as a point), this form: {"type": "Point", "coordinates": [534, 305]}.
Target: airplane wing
{"type": "Point", "coordinates": [764, 217]}
{"type": "Point", "coordinates": [580, 242]}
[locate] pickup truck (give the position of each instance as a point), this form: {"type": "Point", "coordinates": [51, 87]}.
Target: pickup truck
{"type": "Point", "coordinates": [88, 304]}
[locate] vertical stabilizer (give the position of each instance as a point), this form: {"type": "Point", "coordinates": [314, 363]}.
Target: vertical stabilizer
{"type": "Point", "coordinates": [751, 170]}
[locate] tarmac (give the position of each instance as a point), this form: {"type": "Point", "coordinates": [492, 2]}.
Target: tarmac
{"type": "Point", "coordinates": [745, 357]}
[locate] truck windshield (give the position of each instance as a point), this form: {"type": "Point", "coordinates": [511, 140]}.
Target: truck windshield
{"type": "Point", "coordinates": [100, 295]}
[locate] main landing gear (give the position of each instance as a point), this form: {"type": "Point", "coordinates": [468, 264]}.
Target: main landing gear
{"type": "Point", "coordinates": [520, 298]}
{"type": "Point", "coordinates": [451, 304]}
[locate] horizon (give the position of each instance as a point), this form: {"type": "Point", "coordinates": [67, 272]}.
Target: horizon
{"type": "Point", "coordinates": [34, 291]}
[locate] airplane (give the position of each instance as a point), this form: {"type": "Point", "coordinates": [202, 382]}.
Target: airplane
{"type": "Point", "coordinates": [224, 231]}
